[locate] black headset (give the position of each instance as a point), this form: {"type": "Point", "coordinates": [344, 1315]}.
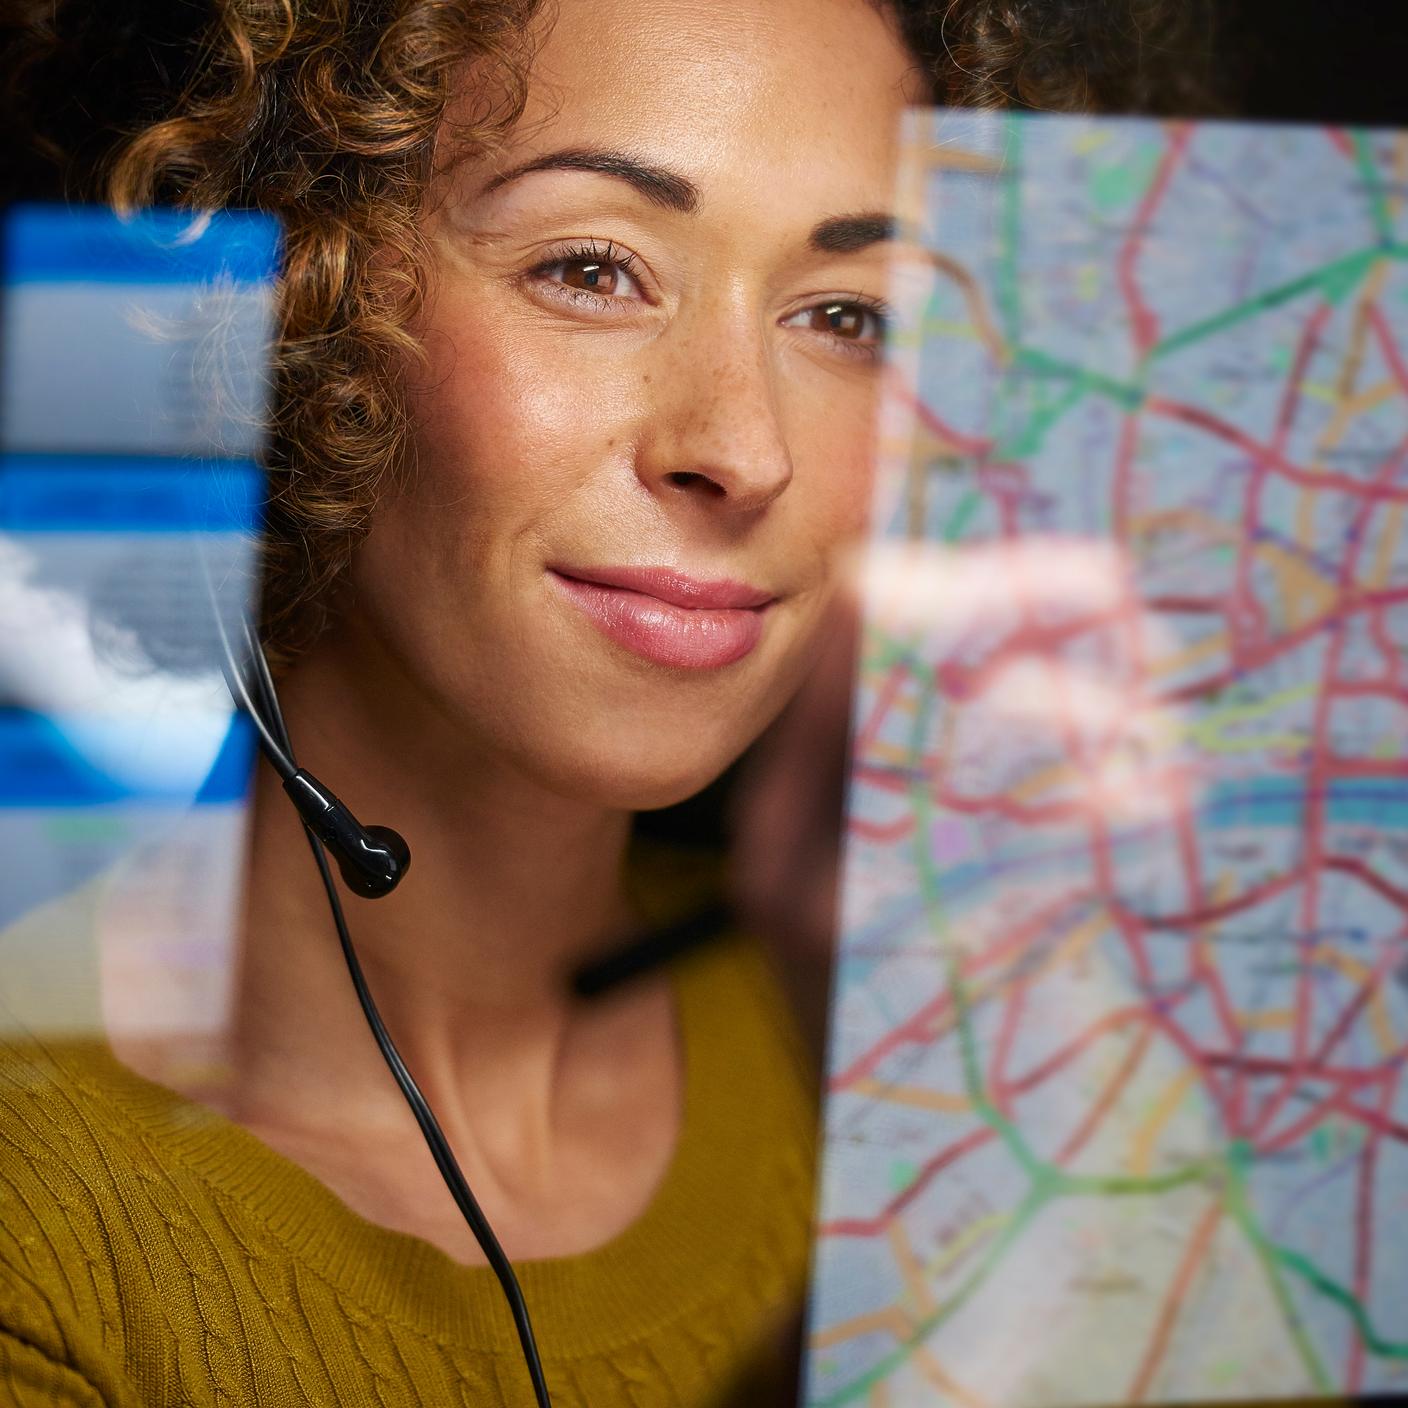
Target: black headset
{"type": "Point", "coordinates": [372, 861]}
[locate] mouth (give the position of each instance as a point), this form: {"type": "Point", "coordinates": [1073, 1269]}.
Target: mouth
{"type": "Point", "coordinates": [666, 617]}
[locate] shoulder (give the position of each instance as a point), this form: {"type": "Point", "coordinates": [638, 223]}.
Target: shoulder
{"type": "Point", "coordinates": [69, 1161]}
{"type": "Point", "coordinates": [123, 1257]}
{"type": "Point", "coordinates": [63, 1160]}
{"type": "Point", "coordinates": [60, 1141]}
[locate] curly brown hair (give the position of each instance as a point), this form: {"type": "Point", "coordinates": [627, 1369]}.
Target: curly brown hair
{"type": "Point", "coordinates": [330, 113]}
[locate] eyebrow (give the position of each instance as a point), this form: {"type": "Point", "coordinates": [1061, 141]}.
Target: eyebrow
{"type": "Point", "coordinates": [838, 234]}
{"type": "Point", "coordinates": [845, 234]}
{"type": "Point", "coordinates": [655, 183]}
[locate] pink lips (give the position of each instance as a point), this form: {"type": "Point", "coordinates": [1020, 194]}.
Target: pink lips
{"type": "Point", "coordinates": [667, 617]}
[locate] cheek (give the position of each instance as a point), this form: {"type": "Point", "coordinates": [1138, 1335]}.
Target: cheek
{"type": "Point", "coordinates": [492, 423]}
{"type": "Point", "coordinates": [507, 418]}
{"type": "Point", "coordinates": [833, 447]}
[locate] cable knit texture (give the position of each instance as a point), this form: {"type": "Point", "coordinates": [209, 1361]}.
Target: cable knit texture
{"type": "Point", "coordinates": [154, 1254]}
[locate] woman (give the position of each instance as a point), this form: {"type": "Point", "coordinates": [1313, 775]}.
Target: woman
{"type": "Point", "coordinates": [582, 323]}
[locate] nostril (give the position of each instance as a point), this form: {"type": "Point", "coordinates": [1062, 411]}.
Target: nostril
{"type": "Point", "coordinates": [688, 479]}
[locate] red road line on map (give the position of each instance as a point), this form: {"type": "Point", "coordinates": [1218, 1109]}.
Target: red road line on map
{"type": "Point", "coordinates": [1340, 138]}
{"type": "Point", "coordinates": [963, 682]}
{"type": "Point", "coordinates": [872, 1226]}
{"type": "Point", "coordinates": [1210, 914]}
{"type": "Point", "coordinates": [1391, 1129]}
{"type": "Point", "coordinates": [1187, 605]}
{"type": "Point", "coordinates": [1393, 658]}
{"type": "Point", "coordinates": [1340, 767]}
{"type": "Point", "coordinates": [882, 832]}
{"type": "Point", "coordinates": [1130, 930]}
{"type": "Point", "coordinates": [1205, 972]}
{"type": "Point", "coordinates": [971, 804]}
{"type": "Point", "coordinates": [1295, 379]}
{"type": "Point", "coordinates": [1002, 1048]}
{"type": "Point", "coordinates": [1347, 1077]}
{"type": "Point", "coordinates": [1082, 1042]}
{"type": "Point", "coordinates": [1316, 794]}
{"type": "Point", "coordinates": [1200, 970]}
{"type": "Point", "coordinates": [884, 702]}
{"type": "Point", "coordinates": [1064, 1055]}
{"type": "Point", "coordinates": [1366, 874]}
{"type": "Point", "coordinates": [1246, 620]}
{"type": "Point", "coordinates": [1302, 1069]}
{"type": "Point", "coordinates": [1125, 447]}
{"type": "Point", "coordinates": [1193, 1258]}
{"type": "Point", "coordinates": [1271, 651]}
{"type": "Point", "coordinates": [1145, 326]}
{"type": "Point", "coordinates": [997, 804]}
{"type": "Point", "coordinates": [1388, 961]}
{"type": "Point", "coordinates": [1383, 335]}
{"type": "Point", "coordinates": [918, 1026]}
{"type": "Point", "coordinates": [1028, 930]}
{"type": "Point", "coordinates": [1133, 932]}
{"type": "Point", "coordinates": [1083, 1132]}
{"type": "Point", "coordinates": [1313, 852]}
{"type": "Point", "coordinates": [1315, 1116]}
{"type": "Point", "coordinates": [1378, 688]}
{"type": "Point", "coordinates": [1318, 480]}
{"type": "Point", "coordinates": [889, 779]}
{"type": "Point", "coordinates": [1337, 1103]}
{"type": "Point", "coordinates": [932, 421]}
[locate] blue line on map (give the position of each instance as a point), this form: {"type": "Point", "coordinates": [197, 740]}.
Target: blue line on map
{"type": "Point", "coordinates": [1277, 801]}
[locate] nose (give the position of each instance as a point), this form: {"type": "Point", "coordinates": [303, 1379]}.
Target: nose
{"type": "Point", "coordinates": [714, 435]}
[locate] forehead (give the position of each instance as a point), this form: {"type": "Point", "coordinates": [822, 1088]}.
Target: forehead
{"type": "Point", "coordinates": [752, 100]}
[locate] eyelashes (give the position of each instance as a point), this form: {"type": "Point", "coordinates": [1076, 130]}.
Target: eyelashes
{"type": "Point", "coordinates": [601, 267]}
{"type": "Point", "coordinates": [599, 278]}
{"type": "Point", "coordinates": [828, 317]}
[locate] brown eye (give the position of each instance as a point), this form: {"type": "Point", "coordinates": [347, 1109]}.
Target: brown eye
{"type": "Point", "coordinates": [847, 320]}
{"type": "Point", "coordinates": [592, 275]}
{"type": "Point", "coordinates": [592, 280]}
{"type": "Point", "coordinates": [851, 327]}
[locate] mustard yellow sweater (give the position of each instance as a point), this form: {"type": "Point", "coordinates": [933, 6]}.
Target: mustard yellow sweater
{"type": "Point", "coordinates": [152, 1253]}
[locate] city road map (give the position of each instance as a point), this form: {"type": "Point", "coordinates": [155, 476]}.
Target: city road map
{"type": "Point", "coordinates": [1117, 1107]}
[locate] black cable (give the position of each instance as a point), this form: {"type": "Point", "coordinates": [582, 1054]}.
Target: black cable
{"type": "Point", "coordinates": [279, 757]}
{"type": "Point", "coordinates": [278, 752]}
{"type": "Point", "coordinates": [425, 1117]}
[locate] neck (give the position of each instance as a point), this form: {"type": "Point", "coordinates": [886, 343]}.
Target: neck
{"type": "Point", "coordinates": [510, 887]}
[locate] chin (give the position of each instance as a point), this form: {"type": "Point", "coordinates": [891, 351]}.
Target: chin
{"type": "Point", "coordinates": [634, 769]}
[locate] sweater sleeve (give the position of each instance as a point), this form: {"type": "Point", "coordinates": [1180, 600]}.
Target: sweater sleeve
{"type": "Point", "coordinates": [29, 1378]}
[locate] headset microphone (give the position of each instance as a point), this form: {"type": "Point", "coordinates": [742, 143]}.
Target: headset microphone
{"type": "Point", "coordinates": [372, 859]}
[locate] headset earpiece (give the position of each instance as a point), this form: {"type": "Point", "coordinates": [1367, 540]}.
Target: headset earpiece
{"type": "Point", "coordinates": [372, 859]}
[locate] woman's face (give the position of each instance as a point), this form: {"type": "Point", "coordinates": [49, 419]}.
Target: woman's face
{"type": "Point", "coordinates": [645, 427]}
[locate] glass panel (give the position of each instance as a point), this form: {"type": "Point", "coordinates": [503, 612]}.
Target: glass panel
{"type": "Point", "coordinates": [1116, 1108]}
{"type": "Point", "coordinates": [132, 385]}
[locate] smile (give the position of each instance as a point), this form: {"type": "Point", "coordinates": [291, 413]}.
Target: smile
{"type": "Point", "coordinates": [665, 617]}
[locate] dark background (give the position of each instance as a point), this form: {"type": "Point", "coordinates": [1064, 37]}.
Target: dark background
{"type": "Point", "coordinates": [1315, 60]}
{"type": "Point", "coordinates": [1310, 60]}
